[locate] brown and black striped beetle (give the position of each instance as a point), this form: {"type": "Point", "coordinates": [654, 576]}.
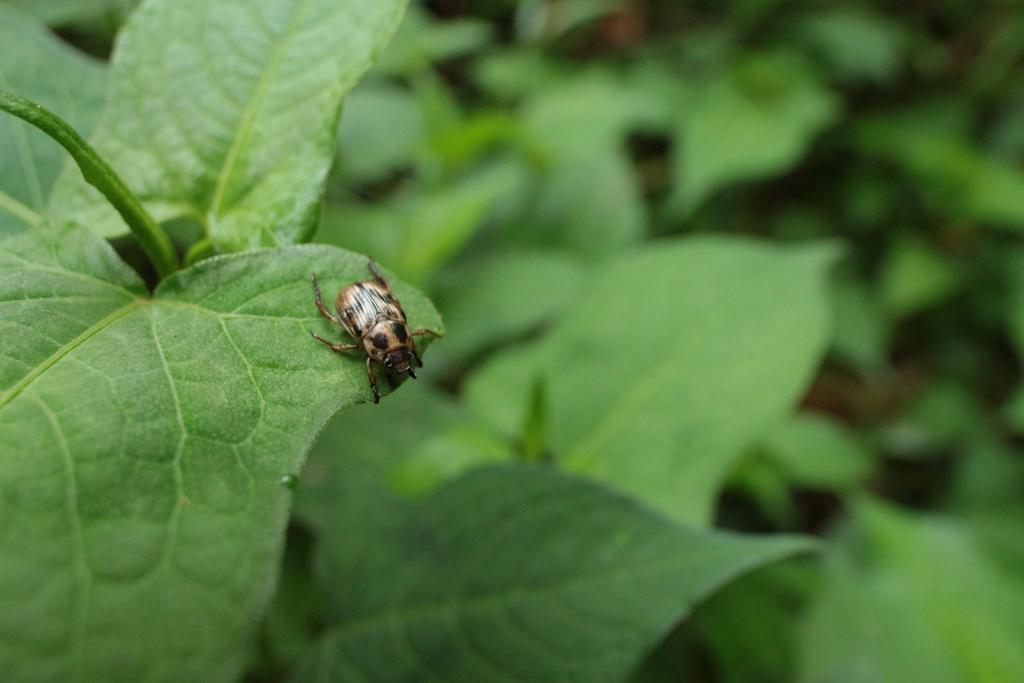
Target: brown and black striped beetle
{"type": "Point", "coordinates": [370, 312]}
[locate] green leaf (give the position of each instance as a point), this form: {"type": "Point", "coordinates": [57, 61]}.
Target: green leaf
{"type": "Point", "coordinates": [590, 199]}
{"type": "Point", "coordinates": [926, 603]}
{"type": "Point", "coordinates": [815, 451]}
{"type": "Point", "coordinates": [948, 414]}
{"type": "Point", "coordinates": [540, 22]}
{"type": "Point", "coordinates": [382, 128]}
{"type": "Point", "coordinates": [510, 574]}
{"type": "Point", "coordinates": [370, 444]}
{"type": "Point", "coordinates": [500, 390]}
{"type": "Point", "coordinates": [516, 72]}
{"type": "Point", "coordinates": [677, 358]}
{"type": "Point", "coordinates": [422, 40]}
{"type": "Point", "coordinates": [750, 626]}
{"type": "Point", "coordinates": [860, 329]}
{"type": "Point", "coordinates": [491, 299]}
{"type": "Point", "coordinates": [38, 66]}
{"type": "Point", "coordinates": [143, 443]}
{"type": "Point", "coordinates": [288, 630]}
{"type": "Point", "coordinates": [420, 231]}
{"type": "Point", "coordinates": [915, 276]}
{"type": "Point", "coordinates": [447, 455]}
{"type": "Point", "coordinates": [227, 112]}
{"type": "Point", "coordinates": [746, 125]}
{"type": "Point", "coordinates": [989, 493]}
{"type": "Point", "coordinates": [953, 175]}
{"type": "Point", "coordinates": [859, 633]}
{"type": "Point", "coordinates": [64, 12]}
{"type": "Point", "coordinates": [151, 237]}
{"type": "Point", "coordinates": [856, 45]}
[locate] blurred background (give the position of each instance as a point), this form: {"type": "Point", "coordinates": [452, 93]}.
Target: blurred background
{"type": "Point", "coordinates": [502, 151]}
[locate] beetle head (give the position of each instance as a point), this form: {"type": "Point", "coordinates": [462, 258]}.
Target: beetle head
{"type": "Point", "coordinates": [400, 360]}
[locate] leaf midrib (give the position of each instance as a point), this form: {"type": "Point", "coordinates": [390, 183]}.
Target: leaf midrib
{"type": "Point", "coordinates": [95, 329]}
{"type": "Point", "coordinates": [68, 348]}
{"type": "Point", "coordinates": [251, 110]}
{"type": "Point", "coordinates": [585, 449]}
{"type": "Point", "coordinates": [400, 613]}
{"type": "Point", "coordinates": [82, 570]}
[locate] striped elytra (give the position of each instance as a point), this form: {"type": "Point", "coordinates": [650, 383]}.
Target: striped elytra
{"type": "Point", "coordinates": [371, 313]}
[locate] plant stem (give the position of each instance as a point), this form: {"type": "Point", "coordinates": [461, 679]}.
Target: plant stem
{"type": "Point", "coordinates": [98, 173]}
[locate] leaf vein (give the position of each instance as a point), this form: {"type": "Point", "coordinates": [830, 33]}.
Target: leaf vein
{"type": "Point", "coordinates": [66, 349]}
{"type": "Point", "coordinates": [402, 613]}
{"type": "Point", "coordinates": [81, 564]}
{"type": "Point", "coordinates": [248, 369]}
{"type": "Point", "coordinates": [248, 121]}
{"type": "Point", "coordinates": [176, 462]}
{"type": "Point", "coordinates": [68, 273]}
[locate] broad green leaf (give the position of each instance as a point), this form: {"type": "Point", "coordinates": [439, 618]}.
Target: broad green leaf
{"type": "Point", "coordinates": [288, 630]}
{"type": "Point", "coordinates": [422, 40]}
{"type": "Point", "coordinates": [64, 12]}
{"type": "Point", "coordinates": [38, 66]}
{"type": "Point", "coordinates": [368, 446]}
{"type": "Point", "coordinates": [513, 73]}
{"type": "Point", "coordinates": [143, 443]}
{"type": "Point", "coordinates": [745, 125]}
{"type": "Point", "coordinates": [491, 299]}
{"type": "Point", "coordinates": [416, 441]}
{"type": "Point", "coordinates": [499, 391]}
{"type": "Point", "coordinates": [382, 128]}
{"type": "Point", "coordinates": [926, 603]}
{"type": "Point", "coordinates": [417, 233]}
{"type": "Point", "coordinates": [857, 632]}
{"type": "Point", "coordinates": [438, 227]}
{"type": "Point", "coordinates": [449, 454]}
{"type": "Point", "coordinates": [590, 199]}
{"type": "Point", "coordinates": [750, 626]}
{"type": "Point", "coordinates": [989, 493]}
{"type": "Point", "coordinates": [678, 356]}
{"type": "Point", "coordinates": [227, 112]}
{"type": "Point", "coordinates": [508, 574]}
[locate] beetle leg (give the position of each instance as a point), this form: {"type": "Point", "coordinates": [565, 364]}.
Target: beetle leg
{"type": "Point", "coordinates": [391, 379]}
{"type": "Point", "coordinates": [373, 379]}
{"type": "Point", "coordinates": [424, 330]}
{"type": "Point", "coordinates": [319, 304]}
{"type": "Point", "coordinates": [335, 347]}
{"type": "Point", "coordinates": [378, 275]}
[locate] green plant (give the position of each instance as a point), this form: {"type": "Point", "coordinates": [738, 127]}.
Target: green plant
{"type": "Point", "coordinates": [146, 435]}
{"type": "Point", "coordinates": [729, 386]}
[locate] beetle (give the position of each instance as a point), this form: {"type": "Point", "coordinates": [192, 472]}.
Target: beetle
{"type": "Point", "coordinates": [370, 312]}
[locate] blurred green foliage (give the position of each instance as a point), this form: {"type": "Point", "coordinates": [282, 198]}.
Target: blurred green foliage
{"type": "Point", "coordinates": [756, 264]}
{"type": "Point", "coordinates": [893, 131]}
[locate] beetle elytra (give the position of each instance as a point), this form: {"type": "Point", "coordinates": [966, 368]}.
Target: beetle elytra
{"type": "Point", "coordinates": [369, 311]}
